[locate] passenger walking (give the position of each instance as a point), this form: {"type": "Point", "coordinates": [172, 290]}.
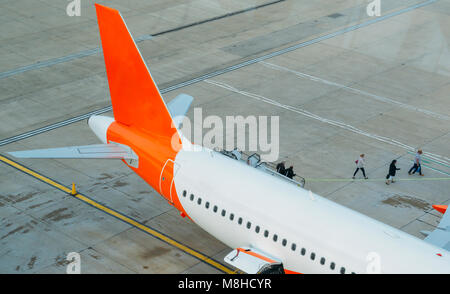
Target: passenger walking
{"type": "Point", "coordinates": [392, 170]}
{"type": "Point", "coordinates": [360, 163]}
{"type": "Point", "coordinates": [417, 164]}
{"type": "Point", "coordinates": [281, 168]}
{"type": "Point", "coordinates": [290, 172]}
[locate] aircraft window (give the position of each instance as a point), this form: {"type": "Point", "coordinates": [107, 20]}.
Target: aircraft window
{"type": "Point", "coordinates": [353, 273]}
{"type": "Point", "coordinates": [192, 197]}
{"type": "Point", "coordinates": [240, 220]}
{"type": "Point", "coordinates": [249, 225]}
{"type": "Point", "coordinates": [215, 208]}
{"type": "Point", "coordinates": [313, 256]}
{"type": "Point", "coordinates": [293, 246]}
{"type": "Point", "coordinates": [184, 193]}
{"type": "Point", "coordinates": [342, 270]}
{"type": "Point", "coordinates": [266, 233]}
{"type": "Point", "coordinates": [303, 252]}
{"type": "Point", "coordinates": [257, 229]}
{"type": "Point", "coordinates": [199, 201]}
{"type": "Point", "coordinates": [223, 212]}
{"type": "Point", "coordinates": [231, 216]}
{"type": "Point", "coordinates": [284, 242]}
{"type": "Point", "coordinates": [322, 261]}
{"type": "Point", "coordinates": [275, 238]}
{"type": "Point", "coordinates": [207, 204]}
{"type": "Point", "coordinates": [332, 265]}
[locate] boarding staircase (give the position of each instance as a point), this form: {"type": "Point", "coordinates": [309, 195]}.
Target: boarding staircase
{"type": "Point", "coordinates": [254, 160]}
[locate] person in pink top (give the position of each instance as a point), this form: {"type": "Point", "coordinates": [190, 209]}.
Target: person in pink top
{"type": "Point", "coordinates": [360, 163]}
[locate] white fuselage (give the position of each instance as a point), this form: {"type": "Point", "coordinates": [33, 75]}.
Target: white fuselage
{"type": "Point", "coordinates": [332, 233]}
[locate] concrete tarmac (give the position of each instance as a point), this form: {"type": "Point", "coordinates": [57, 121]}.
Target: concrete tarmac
{"type": "Point", "coordinates": [341, 82]}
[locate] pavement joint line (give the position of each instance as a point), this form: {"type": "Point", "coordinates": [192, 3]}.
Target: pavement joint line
{"type": "Point", "coordinates": [118, 215]}
{"type": "Point", "coordinates": [220, 71]}
{"type": "Point", "coordinates": [308, 114]}
{"type": "Point", "coordinates": [372, 180]}
{"type": "Point", "coordinates": [354, 90]}
{"type": "Point", "coordinates": [422, 221]}
{"type": "Point", "coordinates": [93, 51]}
{"type": "Point", "coordinates": [335, 123]}
{"type": "Point", "coordinates": [413, 220]}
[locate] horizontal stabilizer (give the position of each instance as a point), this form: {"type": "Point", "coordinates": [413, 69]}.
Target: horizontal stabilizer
{"type": "Point", "coordinates": [441, 235]}
{"type": "Point", "coordinates": [178, 107]}
{"type": "Point", "coordinates": [107, 151]}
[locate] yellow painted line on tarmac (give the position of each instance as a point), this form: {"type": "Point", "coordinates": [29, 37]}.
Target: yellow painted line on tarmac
{"type": "Point", "coordinates": [120, 216]}
{"type": "Point", "coordinates": [34, 174]}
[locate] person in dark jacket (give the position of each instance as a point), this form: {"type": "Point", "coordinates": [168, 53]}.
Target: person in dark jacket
{"type": "Point", "coordinates": [290, 172]}
{"type": "Point", "coordinates": [281, 168]}
{"type": "Point", "coordinates": [392, 170]}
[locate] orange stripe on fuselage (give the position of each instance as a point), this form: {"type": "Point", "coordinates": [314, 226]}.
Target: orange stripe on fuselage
{"type": "Point", "coordinates": [256, 255]}
{"type": "Point", "coordinates": [249, 252]}
{"type": "Point", "coordinates": [153, 152]}
{"type": "Point", "coordinates": [288, 272]}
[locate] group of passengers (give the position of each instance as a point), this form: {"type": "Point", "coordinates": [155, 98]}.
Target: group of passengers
{"type": "Point", "coordinates": [360, 164]}
{"type": "Point", "coordinates": [288, 172]}
{"type": "Point", "coordinates": [417, 167]}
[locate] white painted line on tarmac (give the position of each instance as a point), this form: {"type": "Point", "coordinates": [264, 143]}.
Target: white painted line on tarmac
{"type": "Point", "coordinates": [191, 81]}
{"type": "Point", "coordinates": [435, 169]}
{"type": "Point", "coordinates": [357, 91]}
{"type": "Point", "coordinates": [319, 118]}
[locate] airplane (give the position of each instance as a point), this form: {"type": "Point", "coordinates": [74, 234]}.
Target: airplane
{"type": "Point", "coordinates": [272, 225]}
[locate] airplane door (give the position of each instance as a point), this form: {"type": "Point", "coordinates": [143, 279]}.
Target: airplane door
{"type": "Point", "coordinates": [166, 180]}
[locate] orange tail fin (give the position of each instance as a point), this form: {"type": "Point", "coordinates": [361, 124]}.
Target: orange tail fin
{"type": "Point", "coordinates": [135, 98]}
